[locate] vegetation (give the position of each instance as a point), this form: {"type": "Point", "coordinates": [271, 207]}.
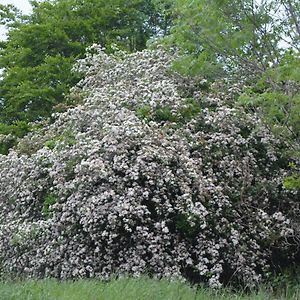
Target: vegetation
{"type": "Point", "coordinates": [153, 137]}
{"type": "Point", "coordinates": [40, 51]}
{"type": "Point", "coordinates": [251, 43]}
{"type": "Point", "coordinates": [129, 289]}
{"type": "Point", "coordinates": [181, 188]}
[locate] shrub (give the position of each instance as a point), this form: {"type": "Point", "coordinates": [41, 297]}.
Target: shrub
{"type": "Point", "coordinates": [202, 201]}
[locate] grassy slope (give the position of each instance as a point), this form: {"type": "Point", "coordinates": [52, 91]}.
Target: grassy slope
{"type": "Point", "coordinates": [127, 289]}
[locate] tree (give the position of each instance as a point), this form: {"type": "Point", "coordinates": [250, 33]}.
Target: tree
{"type": "Point", "coordinates": [253, 43]}
{"type": "Point", "coordinates": [242, 37]}
{"type": "Point", "coordinates": [38, 57]}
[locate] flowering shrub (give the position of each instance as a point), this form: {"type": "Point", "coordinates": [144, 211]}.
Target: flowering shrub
{"type": "Point", "coordinates": [139, 179]}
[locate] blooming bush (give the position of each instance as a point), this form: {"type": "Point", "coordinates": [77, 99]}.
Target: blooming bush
{"type": "Point", "coordinates": [147, 175]}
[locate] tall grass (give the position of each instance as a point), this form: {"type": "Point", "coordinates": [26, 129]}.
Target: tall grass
{"type": "Point", "coordinates": [123, 289]}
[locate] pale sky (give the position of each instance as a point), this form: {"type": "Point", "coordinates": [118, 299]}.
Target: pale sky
{"type": "Point", "coordinates": [23, 5]}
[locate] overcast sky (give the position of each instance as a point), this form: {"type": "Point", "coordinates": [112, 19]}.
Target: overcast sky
{"type": "Point", "coordinates": [21, 4]}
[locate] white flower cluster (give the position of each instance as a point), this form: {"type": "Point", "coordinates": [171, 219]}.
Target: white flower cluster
{"type": "Point", "coordinates": [111, 190]}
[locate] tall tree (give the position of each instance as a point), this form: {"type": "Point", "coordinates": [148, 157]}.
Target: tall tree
{"type": "Point", "coordinates": [252, 42]}
{"type": "Point", "coordinates": [41, 49]}
{"type": "Point", "coordinates": [244, 35]}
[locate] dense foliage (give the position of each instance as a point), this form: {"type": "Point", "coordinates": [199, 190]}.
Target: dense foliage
{"type": "Point", "coordinates": [38, 56]}
{"type": "Point", "coordinates": [243, 37]}
{"type": "Point", "coordinates": [148, 175]}
{"type": "Point", "coordinates": [255, 44]}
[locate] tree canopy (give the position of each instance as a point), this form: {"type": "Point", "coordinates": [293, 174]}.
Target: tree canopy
{"type": "Point", "coordinates": [242, 37]}
{"type": "Point", "coordinates": [38, 56]}
{"type": "Point", "coordinates": [251, 43]}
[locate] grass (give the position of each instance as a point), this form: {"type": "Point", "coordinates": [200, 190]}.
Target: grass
{"type": "Point", "coordinates": [121, 289]}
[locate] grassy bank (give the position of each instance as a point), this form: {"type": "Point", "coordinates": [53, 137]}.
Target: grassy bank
{"type": "Point", "coordinates": [127, 289]}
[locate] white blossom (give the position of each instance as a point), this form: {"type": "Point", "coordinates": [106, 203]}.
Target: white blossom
{"type": "Point", "coordinates": [106, 190]}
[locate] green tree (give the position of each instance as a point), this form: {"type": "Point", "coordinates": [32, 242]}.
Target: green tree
{"type": "Point", "coordinates": [253, 43]}
{"type": "Point", "coordinates": [38, 56]}
{"type": "Point", "coordinates": [243, 36]}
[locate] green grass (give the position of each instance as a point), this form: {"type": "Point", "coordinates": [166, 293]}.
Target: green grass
{"type": "Point", "coordinates": [127, 289]}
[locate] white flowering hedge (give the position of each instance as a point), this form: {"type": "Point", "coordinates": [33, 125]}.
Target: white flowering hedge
{"type": "Point", "coordinates": [146, 176]}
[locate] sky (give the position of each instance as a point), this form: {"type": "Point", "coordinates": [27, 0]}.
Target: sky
{"type": "Point", "coordinates": [23, 5]}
